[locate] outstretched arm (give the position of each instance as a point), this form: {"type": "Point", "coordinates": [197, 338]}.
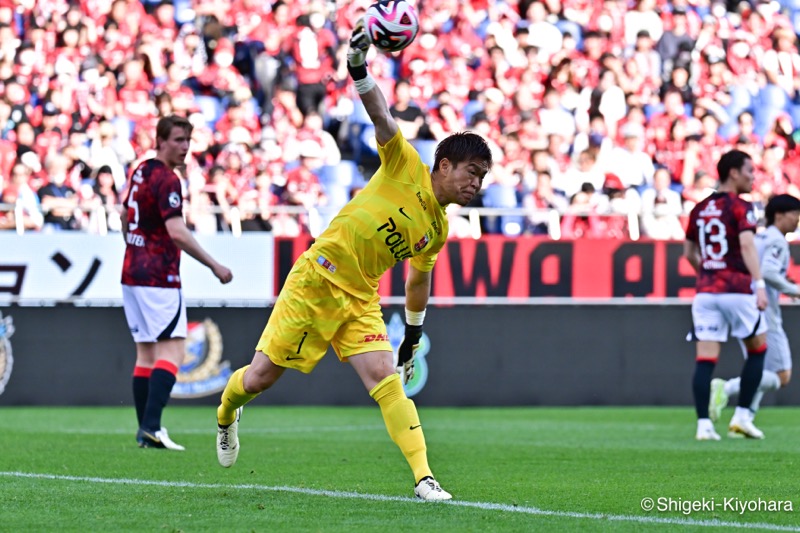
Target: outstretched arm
{"type": "Point", "coordinates": [371, 95]}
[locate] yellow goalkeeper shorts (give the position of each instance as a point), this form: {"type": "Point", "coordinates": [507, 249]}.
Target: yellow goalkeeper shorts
{"type": "Point", "coordinates": [312, 313]}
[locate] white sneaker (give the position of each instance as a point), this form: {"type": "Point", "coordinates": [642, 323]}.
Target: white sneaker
{"type": "Point", "coordinates": [228, 442]}
{"type": "Point", "coordinates": [706, 433]}
{"type": "Point", "coordinates": [159, 439]}
{"type": "Point", "coordinates": [742, 426]}
{"type": "Point", "coordinates": [718, 401]}
{"type": "Point", "coordinates": [167, 442]}
{"type": "Point", "coordinates": [428, 489]}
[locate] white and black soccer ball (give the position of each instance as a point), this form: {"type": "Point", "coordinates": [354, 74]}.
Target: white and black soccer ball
{"type": "Point", "coordinates": [391, 25]}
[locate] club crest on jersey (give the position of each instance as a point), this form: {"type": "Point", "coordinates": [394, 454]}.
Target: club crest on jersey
{"type": "Point", "coordinates": [395, 329]}
{"type": "Point", "coordinates": [174, 199]}
{"type": "Point", "coordinates": [6, 358]}
{"type": "Point", "coordinates": [202, 372]}
{"type": "Point", "coordinates": [423, 242]}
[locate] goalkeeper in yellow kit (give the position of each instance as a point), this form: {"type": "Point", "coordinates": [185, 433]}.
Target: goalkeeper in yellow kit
{"type": "Point", "coordinates": [330, 296]}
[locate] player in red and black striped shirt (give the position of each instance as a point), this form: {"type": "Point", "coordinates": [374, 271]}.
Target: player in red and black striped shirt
{"type": "Point", "coordinates": [155, 233]}
{"type": "Point", "coordinates": [720, 245]}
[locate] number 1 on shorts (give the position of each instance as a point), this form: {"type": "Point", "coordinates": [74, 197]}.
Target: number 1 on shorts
{"type": "Point", "coordinates": [305, 334]}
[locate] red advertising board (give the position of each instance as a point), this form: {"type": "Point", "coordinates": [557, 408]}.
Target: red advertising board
{"type": "Point", "coordinates": [530, 267]}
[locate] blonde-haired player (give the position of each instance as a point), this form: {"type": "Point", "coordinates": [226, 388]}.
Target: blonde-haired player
{"type": "Point", "coordinates": [330, 296]}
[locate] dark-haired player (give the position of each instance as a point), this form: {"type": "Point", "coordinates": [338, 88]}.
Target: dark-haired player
{"type": "Point", "coordinates": [782, 214]}
{"type": "Point", "coordinates": [330, 296]}
{"type": "Point", "coordinates": [720, 245]}
{"type": "Point", "coordinates": [154, 231]}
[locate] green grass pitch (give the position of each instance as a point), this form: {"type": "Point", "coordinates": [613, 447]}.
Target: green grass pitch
{"type": "Point", "coordinates": [335, 469]}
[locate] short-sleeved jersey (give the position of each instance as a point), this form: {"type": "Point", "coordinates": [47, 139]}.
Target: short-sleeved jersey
{"type": "Point", "coordinates": [395, 217]}
{"type": "Point", "coordinates": [715, 225]}
{"type": "Point", "coordinates": [151, 257]}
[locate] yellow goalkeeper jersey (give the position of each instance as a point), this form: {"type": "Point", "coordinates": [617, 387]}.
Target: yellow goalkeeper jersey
{"type": "Point", "coordinates": [395, 217]}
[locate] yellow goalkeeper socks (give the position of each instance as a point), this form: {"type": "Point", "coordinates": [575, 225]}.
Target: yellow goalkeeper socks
{"type": "Point", "coordinates": [233, 397]}
{"type": "Point", "coordinates": [402, 423]}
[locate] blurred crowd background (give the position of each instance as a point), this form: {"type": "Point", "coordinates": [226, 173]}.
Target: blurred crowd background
{"type": "Point", "coordinates": [606, 118]}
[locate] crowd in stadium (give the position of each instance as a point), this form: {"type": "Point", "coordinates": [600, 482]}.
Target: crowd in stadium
{"type": "Point", "coordinates": [593, 108]}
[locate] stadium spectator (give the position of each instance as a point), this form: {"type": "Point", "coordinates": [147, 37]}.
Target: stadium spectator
{"type": "Point", "coordinates": [407, 114]}
{"type": "Point", "coordinates": [256, 204]}
{"type": "Point", "coordinates": [644, 17]}
{"type": "Point", "coordinates": [540, 203]}
{"type": "Point", "coordinates": [581, 218]}
{"type": "Point", "coordinates": [22, 199]}
{"type": "Point", "coordinates": [616, 204]}
{"type": "Point", "coordinates": [59, 200]}
{"type": "Point", "coordinates": [674, 40]}
{"type": "Point", "coordinates": [661, 209]}
{"type": "Point", "coordinates": [313, 52]}
{"type": "Point", "coordinates": [629, 161]}
{"type": "Point", "coordinates": [585, 170]}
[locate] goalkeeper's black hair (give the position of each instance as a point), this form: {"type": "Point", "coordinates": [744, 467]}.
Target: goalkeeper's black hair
{"type": "Point", "coordinates": [782, 203]}
{"type": "Point", "coordinates": [463, 146]}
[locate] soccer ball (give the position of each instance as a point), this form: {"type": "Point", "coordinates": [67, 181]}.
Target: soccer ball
{"type": "Point", "coordinates": [391, 24]}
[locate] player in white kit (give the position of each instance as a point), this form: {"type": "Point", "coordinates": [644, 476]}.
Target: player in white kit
{"type": "Point", "coordinates": [782, 214]}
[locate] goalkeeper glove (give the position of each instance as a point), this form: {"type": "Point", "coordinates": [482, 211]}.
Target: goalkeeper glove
{"type": "Point", "coordinates": [405, 354]}
{"type": "Point", "coordinates": [359, 45]}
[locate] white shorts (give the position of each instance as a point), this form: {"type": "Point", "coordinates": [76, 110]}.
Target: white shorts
{"type": "Point", "coordinates": [779, 356]}
{"type": "Point", "coordinates": [154, 313]}
{"type": "Point", "coordinates": [715, 316]}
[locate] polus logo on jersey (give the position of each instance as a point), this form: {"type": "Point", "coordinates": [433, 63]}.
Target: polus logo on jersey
{"type": "Point", "coordinates": [396, 329]}
{"type": "Point", "coordinates": [202, 372]}
{"type": "Point", "coordinates": [6, 359]}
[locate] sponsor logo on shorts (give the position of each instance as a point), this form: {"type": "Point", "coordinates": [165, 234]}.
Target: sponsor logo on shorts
{"type": "Point", "coordinates": [327, 265]}
{"type": "Point", "coordinates": [396, 328]}
{"type": "Point", "coordinates": [202, 372]}
{"type": "Point", "coordinates": [375, 337]}
{"type": "Point", "coordinates": [6, 358]}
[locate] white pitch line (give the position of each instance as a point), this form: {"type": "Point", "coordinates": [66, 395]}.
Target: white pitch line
{"type": "Point", "coordinates": [402, 499]}
{"type": "Point", "coordinates": [210, 430]}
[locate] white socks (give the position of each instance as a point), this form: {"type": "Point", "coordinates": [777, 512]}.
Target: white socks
{"type": "Point", "coordinates": [704, 424]}
{"type": "Point", "coordinates": [769, 381]}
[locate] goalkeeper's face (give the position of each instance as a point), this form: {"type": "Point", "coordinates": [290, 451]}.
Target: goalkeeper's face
{"type": "Point", "coordinates": [462, 181]}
